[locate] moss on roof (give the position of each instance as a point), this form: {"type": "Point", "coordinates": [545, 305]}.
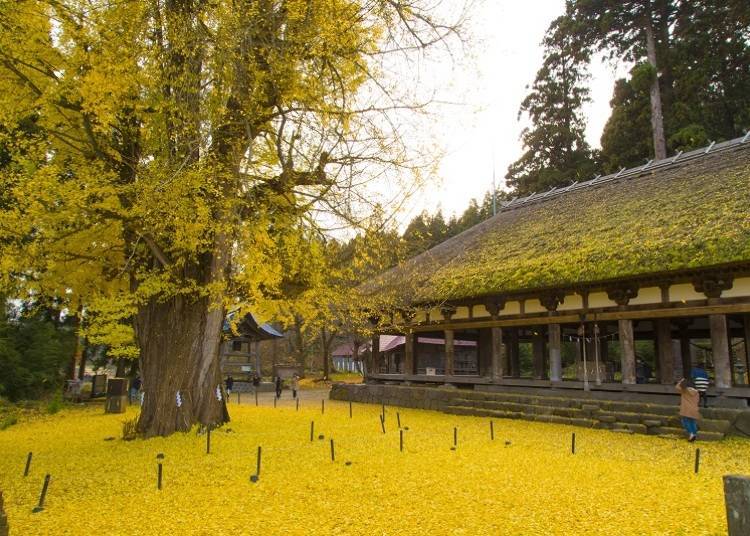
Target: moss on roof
{"type": "Point", "coordinates": [684, 216]}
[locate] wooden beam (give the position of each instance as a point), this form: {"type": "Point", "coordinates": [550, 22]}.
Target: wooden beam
{"type": "Point", "coordinates": [498, 354]}
{"type": "Point", "coordinates": [720, 350]}
{"type": "Point", "coordinates": [409, 353]}
{"type": "Point", "coordinates": [574, 318]}
{"type": "Point", "coordinates": [537, 344]}
{"type": "Point", "coordinates": [449, 352]}
{"type": "Point", "coordinates": [514, 363]}
{"type": "Point", "coordinates": [627, 351]}
{"type": "Point", "coordinates": [555, 354]}
{"type": "Point", "coordinates": [374, 354]}
{"type": "Point", "coordinates": [664, 350]}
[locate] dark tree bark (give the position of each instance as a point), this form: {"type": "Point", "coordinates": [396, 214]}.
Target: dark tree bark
{"type": "Point", "coordinates": [657, 115]}
{"type": "Point", "coordinates": [179, 341]}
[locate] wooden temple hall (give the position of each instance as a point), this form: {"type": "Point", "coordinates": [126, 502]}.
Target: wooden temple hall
{"type": "Point", "coordinates": [622, 283]}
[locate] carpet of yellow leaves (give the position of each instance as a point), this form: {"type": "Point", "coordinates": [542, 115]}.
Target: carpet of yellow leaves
{"type": "Point", "coordinates": [526, 481]}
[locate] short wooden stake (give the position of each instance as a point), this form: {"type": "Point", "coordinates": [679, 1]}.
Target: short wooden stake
{"type": "Point", "coordinates": [158, 475]}
{"type": "Point", "coordinates": [208, 441]}
{"type": "Point", "coordinates": [298, 404]}
{"type": "Point", "coordinates": [455, 437]}
{"type": "Point", "coordinates": [697, 460]}
{"type": "Point", "coordinates": [333, 454]}
{"type": "Point", "coordinates": [43, 495]}
{"type": "Point", "coordinates": [350, 409]}
{"type": "Point", "coordinates": [382, 424]}
{"type": "Point", "coordinates": [28, 465]}
{"type": "Point", "coordinates": [256, 396]}
{"type": "Point", "coordinates": [383, 412]}
{"type": "Point", "coordinates": [322, 406]}
{"type": "Point", "coordinates": [274, 401]}
{"type": "Point", "coordinates": [401, 440]}
{"type": "Point", "coordinates": [257, 470]}
{"type": "Point", "coordinates": [238, 397]}
{"type": "Point", "coordinates": [492, 430]}
{"type": "Point", "coordinates": [573, 443]}
{"type": "Point", "coordinates": [398, 419]}
{"type": "Point", "coordinates": [312, 430]}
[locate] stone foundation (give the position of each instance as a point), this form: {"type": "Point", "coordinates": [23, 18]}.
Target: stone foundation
{"type": "Point", "coordinates": [630, 416]}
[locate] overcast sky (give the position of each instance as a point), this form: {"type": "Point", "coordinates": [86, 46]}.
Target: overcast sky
{"type": "Point", "coordinates": [491, 82]}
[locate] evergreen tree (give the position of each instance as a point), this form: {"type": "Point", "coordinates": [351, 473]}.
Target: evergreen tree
{"type": "Point", "coordinates": [636, 31]}
{"type": "Point", "coordinates": [556, 151]}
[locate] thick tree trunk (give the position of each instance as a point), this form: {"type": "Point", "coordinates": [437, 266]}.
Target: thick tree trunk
{"type": "Point", "coordinates": [179, 342]}
{"type": "Point", "coordinates": [657, 115]}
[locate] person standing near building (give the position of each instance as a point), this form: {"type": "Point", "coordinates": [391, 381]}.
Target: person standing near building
{"type": "Point", "coordinates": [295, 385]}
{"type": "Point", "coordinates": [689, 413]}
{"type": "Point", "coordinates": [700, 378]}
{"type": "Point", "coordinates": [278, 386]}
{"type": "Point", "coordinates": [135, 387]}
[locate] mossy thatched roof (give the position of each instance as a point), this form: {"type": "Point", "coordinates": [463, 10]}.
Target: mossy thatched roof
{"type": "Point", "coordinates": [672, 216]}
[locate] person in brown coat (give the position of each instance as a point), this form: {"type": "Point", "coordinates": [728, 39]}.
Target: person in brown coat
{"type": "Point", "coordinates": [689, 413]}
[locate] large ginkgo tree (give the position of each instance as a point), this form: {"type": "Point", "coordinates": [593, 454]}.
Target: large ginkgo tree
{"type": "Point", "coordinates": [153, 150]}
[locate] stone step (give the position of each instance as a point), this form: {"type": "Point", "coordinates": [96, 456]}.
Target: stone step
{"type": "Point", "coordinates": [519, 407]}
{"type": "Point", "coordinates": [486, 399]}
{"type": "Point", "coordinates": [673, 420]}
{"type": "Point", "coordinates": [664, 418]}
{"type": "Point", "coordinates": [709, 430]}
{"type": "Point", "coordinates": [674, 432]}
{"type": "Point", "coordinates": [500, 414]}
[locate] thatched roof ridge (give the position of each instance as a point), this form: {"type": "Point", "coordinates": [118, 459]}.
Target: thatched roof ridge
{"type": "Point", "coordinates": [688, 211]}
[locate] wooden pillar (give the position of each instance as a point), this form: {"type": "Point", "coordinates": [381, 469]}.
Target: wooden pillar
{"type": "Point", "coordinates": [537, 343]}
{"type": "Point", "coordinates": [498, 354]}
{"type": "Point", "coordinates": [513, 353]}
{"type": "Point", "coordinates": [258, 368]}
{"type": "Point", "coordinates": [720, 350]}
{"type": "Point", "coordinates": [664, 350]}
{"type": "Point", "coordinates": [374, 354]}
{"type": "Point", "coordinates": [449, 352]}
{"type": "Point", "coordinates": [746, 324]}
{"type": "Point", "coordinates": [686, 359]}
{"type": "Point", "coordinates": [409, 354]}
{"type": "Point", "coordinates": [555, 354]}
{"type": "Point", "coordinates": [627, 351]}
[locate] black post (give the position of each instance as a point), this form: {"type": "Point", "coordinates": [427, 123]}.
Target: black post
{"type": "Point", "coordinates": [257, 471]}
{"type": "Point", "coordinates": [298, 404]}
{"type": "Point", "coordinates": [40, 506]}
{"type": "Point", "coordinates": [401, 440]}
{"type": "Point", "coordinates": [208, 441]}
{"type": "Point", "coordinates": [322, 406]}
{"type": "Point", "coordinates": [492, 430]}
{"type": "Point", "coordinates": [350, 409]}
{"type": "Point", "coordinates": [312, 430]}
{"type": "Point", "coordinates": [256, 396]}
{"type": "Point", "coordinates": [28, 465]}
{"type": "Point", "coordinates": [398, 419]}
{"type": "Point", "coordinates": [333, 455]}
{"type": "Point", "coordinates": [382, 423]}
{"type": "Point", "coordinates": [573, 444]}
{"type": "Point", "coordinates": [455, 436]}
{"type": "Point", "coordinates": [158, 475]}
{"type": "Point", "coordinates": [697, 460]}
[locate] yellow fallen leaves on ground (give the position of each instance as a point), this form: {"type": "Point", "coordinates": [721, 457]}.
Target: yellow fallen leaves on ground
{"type": "Point", "coordinates": [526, 481]}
